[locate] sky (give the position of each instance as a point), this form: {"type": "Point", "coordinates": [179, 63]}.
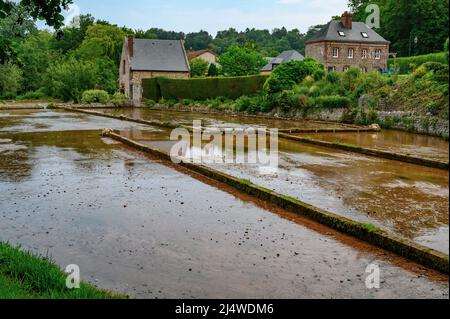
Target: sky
{"type": "Point", "coordinates": [211, 15]}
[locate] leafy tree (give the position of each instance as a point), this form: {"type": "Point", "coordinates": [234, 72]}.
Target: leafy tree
{"type": "Point", "coordinates": [213, 70]}
{"type": "Point", "coordinates": [198, 68]}
{"type": "Point", "coordinates": [68, 80]}
{"type": "Point", "coordinates": [102, 41]}
{"type": "Point", "coordinates": [239, 61]}
{"type": "Point", "coordinates": [71, 37]}
{"type": "Point", "coordinates": [34, 55]}
{"type": "Point", "coordinates": [49, 10]}
{"type": "Point", "coordinates": [198, 40]}
{"type": "Point", "coordinates": [404, 20]}
{"type": "Point", "coordinates": [10, 80]}
{"type": "Point", "coordinates": [288, 74]}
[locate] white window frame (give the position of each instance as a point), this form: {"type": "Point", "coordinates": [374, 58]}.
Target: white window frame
{"type": "Point", "coordinates": [350, 56]}
{"type": "Point", "coordinates": [377, 54]}
{"type": "Point", "coordinates": [337, 52]}
{"type": "Point", "coordinates": [364, 54]}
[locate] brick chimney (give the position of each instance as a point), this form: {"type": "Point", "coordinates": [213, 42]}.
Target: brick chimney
{"type": "Point", "coordinates": [131, 45]}
{"type": "Point", "coordinates": [347, 20]}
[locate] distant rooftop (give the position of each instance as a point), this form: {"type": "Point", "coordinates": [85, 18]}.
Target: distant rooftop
{"type": "Point", "coordinates": [286, 56]}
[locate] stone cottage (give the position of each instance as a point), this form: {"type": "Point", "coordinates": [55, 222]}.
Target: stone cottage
{"type": "Point", "coordinates": [144, 58]}
{"type": "Point", "coordinates": [344, 44]}
{"type": "Point", "coordinates": [285, 56]}
{"type": "Point", "coordinates": [204, 55]}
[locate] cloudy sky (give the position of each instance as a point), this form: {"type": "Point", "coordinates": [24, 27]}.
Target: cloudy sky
{"type": "Point", "coordinates": [212, 15]}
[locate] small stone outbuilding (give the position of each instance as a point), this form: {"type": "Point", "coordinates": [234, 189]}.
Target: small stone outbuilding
{"type": "Point", "coordinates": [144, 58]}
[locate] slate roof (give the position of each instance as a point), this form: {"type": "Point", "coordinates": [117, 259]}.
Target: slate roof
{"type": "Point", "coordinates": [159, 55]}
{"type": "Point", "coordinates": [331, 33]}
{"type": "Point", "coordinates": [285, 56]}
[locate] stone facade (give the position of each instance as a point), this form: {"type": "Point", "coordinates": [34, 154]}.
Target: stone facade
{"type": "Point", "coordinates": [207, 57]}
{"type": "Point", "coordinates": [130, 80]}
{"type": "Point", "coordinates": [367, 57]}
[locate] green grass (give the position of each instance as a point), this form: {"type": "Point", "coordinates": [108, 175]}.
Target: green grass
{"type": "Point", "coordinates": [25, 276]}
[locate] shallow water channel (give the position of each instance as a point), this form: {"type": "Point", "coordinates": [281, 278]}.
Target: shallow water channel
{"type": "Point", "coordinates": [139, 226]}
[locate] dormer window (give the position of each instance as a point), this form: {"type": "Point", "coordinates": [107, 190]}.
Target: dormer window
{"type": "Point", "coordinates": [365, 35]}
{"type": "Point", "coordinates": [341, 33]}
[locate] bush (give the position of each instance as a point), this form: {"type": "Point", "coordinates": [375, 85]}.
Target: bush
{"type": "Point", "coordinates": [202, 88]}
{"type": "Point", "coordinates": [37, 95]}
{"type": "Point", "coordinates": [198, 68]}
{"type": "Point", "coordinates": [333, 77]}
{"type": "Point", "coordinates": [68, 80]}
{"type": "Point", "coordinates": [329, 102]}
{"type": "Point", "coordinates": [213, 70]}
{"type": "Point", "coordinates": [409, 64]}
{"type": "Point", "coordinates": [319, 75]}
{"type": "Point", "coordinates": [118, 99]}
{"type": "Point", "coordinates": [95, 96]}
{"type": "Point", "coordinates": [287, 100]}
{"type": "Point", "coordinates": [10, 80]}
{"type": "Point", "coordinates": [288, 74]}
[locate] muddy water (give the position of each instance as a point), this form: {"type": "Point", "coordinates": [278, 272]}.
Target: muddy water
{"type": "Point", "coordinates": [136, 226]}
{"type": "Point", "coordinates": [215, 120]}
{"type": "Point", "coordinates": [394, 141]}
{"type": "Point", "coordinates": [408, 200]}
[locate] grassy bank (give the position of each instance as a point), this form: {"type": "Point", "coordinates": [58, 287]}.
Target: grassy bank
{"type": "Point", "coordinates": [25, 276]}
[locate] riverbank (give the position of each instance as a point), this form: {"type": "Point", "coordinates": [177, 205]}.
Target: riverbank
{"type": "Point", "coordinates": [26, 276]}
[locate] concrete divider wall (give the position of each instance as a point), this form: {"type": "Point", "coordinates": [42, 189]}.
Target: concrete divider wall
{"type": "Point", "coordinates": [403, 247]}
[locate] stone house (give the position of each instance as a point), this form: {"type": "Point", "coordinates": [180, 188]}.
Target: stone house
{"type": "Point", "coordinates": [204, 55]}
{"type": "Point", "coordinates": [285, 56]}
{"type": "Point", "coordinates": [344, 44]}
{"type": "Point", "coordinates": [144, 58]}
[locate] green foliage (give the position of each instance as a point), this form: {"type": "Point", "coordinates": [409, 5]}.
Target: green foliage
{"type": "Point", "coordinates": [446, 50]}
{"type": "Point", "coordinates": [403, 20]}
{"type": "Point", "coordinates": [198, 68]}
{"type": "Point", "coordinates": [241, 61]}
{"type": "Point", "coordinates": [34, 54]}
{"type": "Point", "coordinates": [329, 102]}
{"type": "Point", "coordinates": [95, 96]}
{"type": "Point", "coordinates": [202, 88]}
{"type": "Point", "coordinates": [333, 77]}
{"type": "Point", "coordinates": [23, 275]}
{"type": "Point", "coordinates": [68, 80]}
{"type": "Point", "coordinates": [118, 98]}
{"type": "Point", "coordinates": [409, 64]}
{"type": "Point", "coordinates": [287, 100]}
{"type": "Point", "coordinates": [213, 70]}
{"type": "Point", "coordinates": [10, 80]}
{"type": "Point", "coordinates": [102, 42]}
{"type": "Point", "coordinates": [286, 75]}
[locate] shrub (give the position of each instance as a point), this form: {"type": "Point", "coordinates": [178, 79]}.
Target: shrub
{"type": "Point", "coordinates": [118, 99]}
{"type": "Point", "coordinates": [213, 70]}
{"type": "Point", "coordinates": [202, 88]}
{"type": "Point", "coordinates": [198, 68]}
{"type": "Point", "coordinates": [319, 74]}
{"type": "Point", "coordinates": [333, 77]}
{"type": "Point", "coordinates": [329, 102]}
{"type": "Point", "coordinates": [10, 80]}
{"type": "Point", "coordinates": [287, 100]}
{"type": "Point", "coordinates": [149, 103]}
{"type": "Point", "coordinates": [288, 74]}
{"type": "Point", "coordinates": [95, 96]}
{"type": "Point", "coordinates": [408, 64]}
{"type": "Point", "coordinates": [37, 95]}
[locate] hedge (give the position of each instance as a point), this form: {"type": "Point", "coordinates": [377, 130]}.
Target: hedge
{"type": "Point", "coordinates": [202, 88]}
{"type": "Point", "coordinates": [408, 64]}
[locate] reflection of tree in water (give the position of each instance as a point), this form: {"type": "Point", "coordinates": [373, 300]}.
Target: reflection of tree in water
{"type": "Point", "coordinates": [79, 147]}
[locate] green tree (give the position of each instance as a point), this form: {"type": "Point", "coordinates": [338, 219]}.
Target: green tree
{"type": "Point", "coordinates": [68, 80]}
{"type": "Point", "coordinates": [49, 11]}
{"type": "Point", "coordinates": [102, 41]}
{"type": "Point", "coordinates": [288, 74]}
{"type": "Point", "coordinates": [198, 40]}
{"type": "Point", "coordinates": [10, 80]}
{"type": "Point", "coordinates": [198, 68]}
{"type": "Point", "coordinates": [72, 36]}
{"type": "Point", "coordinates": [34, 55]}
{"type": "Point", "coordinates": [239, 61]}
{"type": "Point", "coordinates": [404, 20]}
{"type": "Point", "coordinates": [213, 70]}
